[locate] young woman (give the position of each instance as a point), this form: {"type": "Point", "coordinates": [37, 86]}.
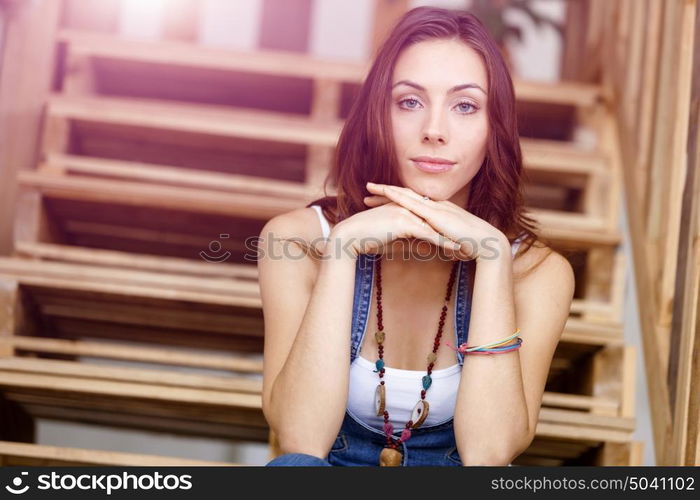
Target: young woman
{"type": "Point", "coordinates": [418, 249]}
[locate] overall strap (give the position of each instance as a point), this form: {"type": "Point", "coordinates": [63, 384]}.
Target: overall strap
{"type": "Point", "coordinates": [362, 299]}
{"type": "Point", "coordinates": [463, 303]}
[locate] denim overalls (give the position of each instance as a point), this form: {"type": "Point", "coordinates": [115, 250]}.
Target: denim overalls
{"type": "Point", "coordinates": [358, 443]}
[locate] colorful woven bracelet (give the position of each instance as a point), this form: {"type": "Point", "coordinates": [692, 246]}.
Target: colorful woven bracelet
{"type": "Point", "coordinates": [498, 350]}
{"type": "Point", "coordinates": [492, 347]}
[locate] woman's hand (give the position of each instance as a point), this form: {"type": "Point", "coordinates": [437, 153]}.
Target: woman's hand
{"type": "Point", "coordinates": [477, 238]}
{"type": "Point", "coordinates": [376, 231]}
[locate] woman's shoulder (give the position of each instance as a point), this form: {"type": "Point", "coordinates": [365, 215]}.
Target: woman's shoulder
{"type": "Point", "coordinates": [539, 258]}
{"type": "Point", "coordinates": [301, 226]}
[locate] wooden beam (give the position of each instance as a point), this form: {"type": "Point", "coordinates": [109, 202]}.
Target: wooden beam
{"type": "Point", "coordinates": [27, 62]}
{"type": "Point", "coordinates": [29, 454]}
{"type": "Point", "coordinates": [684, 356]}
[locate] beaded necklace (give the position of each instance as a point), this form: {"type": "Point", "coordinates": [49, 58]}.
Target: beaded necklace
{"type": "Point", "coordinates": [391, 454]}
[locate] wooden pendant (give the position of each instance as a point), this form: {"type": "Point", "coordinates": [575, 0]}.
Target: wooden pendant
{"type": "Point", "coordinates": [390, 457]}
{"type": "Point", "coordinates": [420, 413]}
{"type": "Point", "coordinates": [379, 400]}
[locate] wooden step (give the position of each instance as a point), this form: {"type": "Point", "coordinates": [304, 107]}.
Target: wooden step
{"type": "Point", "coordinates": [599, 334]}
{"type": "Point", "coordinates": [82, 45]}
{"type": "Point", "coordinates": [150, 173]}
{"type": "Point", "coordinates": [557, 423]}
{"type": "Point", "coordinates": [570, 452]}
{"type": "Point", "coordinates": [60, 391]}
{"type": "Point", "coordinates": [575, 228]}
{"type": "Point", "coordinates": [138, 283]}
{"type": "Point", "coordinates": [35, 455]}
{"type": "Point", "coordinates": [115, 259]}
{"type": "Point", "coordinates": [61, 384]}
{"type": "Point", "coordinates": [138, 354]}
{"type": "Point", "coordinates": [159, 196]}
{"type": "Point", "coordinates": [58, 385]}
{"type": "Point", "coordinates": [221, 121]}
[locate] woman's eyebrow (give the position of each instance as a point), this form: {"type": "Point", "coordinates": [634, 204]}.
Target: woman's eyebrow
{"type": "Point", "coordinates": [453, 89]}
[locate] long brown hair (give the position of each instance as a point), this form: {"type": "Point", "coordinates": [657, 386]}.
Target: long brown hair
{"type": "Point", "coordinates": [365, 150]}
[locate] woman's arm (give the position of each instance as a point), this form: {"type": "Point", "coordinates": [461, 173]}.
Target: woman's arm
{"type": "Point", "coordinates": [307, 340]}
{"type": "Point", "coordinates": [500, 395]}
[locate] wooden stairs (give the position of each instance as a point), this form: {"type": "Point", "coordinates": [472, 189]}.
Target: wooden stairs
{"type": "Point", "coordinates": [119, 308]}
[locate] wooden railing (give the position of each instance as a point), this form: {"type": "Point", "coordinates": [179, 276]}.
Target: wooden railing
{"type": "Point", "coordinates": [642, 52]}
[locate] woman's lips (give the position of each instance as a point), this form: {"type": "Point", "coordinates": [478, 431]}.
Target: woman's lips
{"type": "Point", "coordinates": [433, 167]}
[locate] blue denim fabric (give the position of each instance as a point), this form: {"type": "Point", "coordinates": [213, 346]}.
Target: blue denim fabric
{"type": "Point", "coordinates": [297, 460]}
{"type": "Point", "coordinates": [357, 443]}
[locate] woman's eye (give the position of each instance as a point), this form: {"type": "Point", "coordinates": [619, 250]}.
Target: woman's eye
{"type": "Point", "coordinates": [465, 106]}
{"type": "Point", "coordinates": [465, 103]}
{"type": "Point", "coordinates": [408, 100]}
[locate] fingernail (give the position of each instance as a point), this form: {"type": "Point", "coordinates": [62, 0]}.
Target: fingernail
{"type": "Point", "coordinates": [371, 184]}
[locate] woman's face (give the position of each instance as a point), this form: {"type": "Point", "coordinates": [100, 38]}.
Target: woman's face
{"type": "Point", "coordinates": [435, 121]}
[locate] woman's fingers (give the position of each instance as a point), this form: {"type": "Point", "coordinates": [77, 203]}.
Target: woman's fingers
{"type": "Point", "coordinates": [428, 210]}
{"type": "Point", "coordinates": [426, 232]}
{"type": "Point", "coordinates": [375, 201]}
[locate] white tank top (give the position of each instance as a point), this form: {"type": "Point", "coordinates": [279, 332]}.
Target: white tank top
{"type": "Point", "coordinates": [402, 386]}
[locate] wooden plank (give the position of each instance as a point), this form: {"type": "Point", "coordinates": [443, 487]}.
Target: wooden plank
{"type": "Point", "coordinates": [684, 368]}
{"type": "Point", "coordinates": [558, 156]}
{"type": "Point", "coordinates": [76, 272]}
{"type": "Point", "coordinates": [235, 341]}
{"type": "Point", "coordinates": [644, 141]}
{"type": "Point", "coordinates": [177, 53]}
{"type": "Point", "coordinates": [573, 93]}
{"type": "Point", "coordinates": [159, 174]}
{"type": "Point", "coordinates": [325, 107]}
{"type": "Point", "coordinates": [27, 62]}
{"type": "Point", "coordinates": [584, 419]}
{"type": "Point", "coordinates": [580, 237]}
{"type": "Point", "coordinates": [683, 74]}
{"type": "Point", "coordinates": [286, 63]}
{"type": "Point", "coordinates": [599, 405]}
{"type": "Point", "coordinates": [169, 197]}
{"type": "Point", "coordinates": [577, 330]}
{"type": "Point", "coordinates": [113, 258]}
{"type": "Point", "coordinates": [28, 454]}
{"type": "Point", "coordinates": [173, 318]}
{"type": "Point", "coordinates": [141, 291]}
{"type": "Point", "coordinates": [141, 353]}
{"type": "Point", "coordinates": [139, 375]}
{"type": "Point", "coordinates": [642, 256]}
{"type": "Point", "coordinates": [9, 301]}
{"type": "Point", "coordinates": [120, 419]}
{"type": "Point", "coordinates": [152, 393]}
{"type": "Point", "coordinates": [128, 403]}
{"type": "Point", "coordinates": [607, 378]}
{"type": "Point", "coordinates": [562, 430]}
{"type": "Point", "coordinates": [33, 224]}
{"type": "Point", "coordinates": [211, 119]}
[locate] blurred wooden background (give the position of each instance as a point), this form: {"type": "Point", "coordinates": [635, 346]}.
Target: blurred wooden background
{"type": "Point", "coordinates": [137, 172]}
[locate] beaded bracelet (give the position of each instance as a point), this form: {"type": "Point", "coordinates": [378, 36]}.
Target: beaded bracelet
{"type": "Point", "coordinates": [497, 347]}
